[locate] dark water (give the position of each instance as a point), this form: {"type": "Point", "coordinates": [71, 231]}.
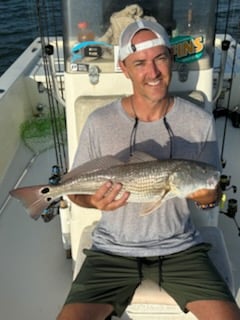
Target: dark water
{"type": "Point", "coordinates": [22, 21]}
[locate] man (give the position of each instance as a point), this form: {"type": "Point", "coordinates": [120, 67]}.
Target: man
{"type": "Point", "coordinates": [164, 246]}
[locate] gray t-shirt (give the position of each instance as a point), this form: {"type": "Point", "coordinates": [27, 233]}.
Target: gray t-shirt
{"type": "Point", "coordinates": [169, 229]}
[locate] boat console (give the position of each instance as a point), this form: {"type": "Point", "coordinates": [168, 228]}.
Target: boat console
{"type": "Point", "coordinates": [91, 34]}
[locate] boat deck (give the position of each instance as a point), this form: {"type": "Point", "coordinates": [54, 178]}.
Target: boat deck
{"type": "Point", "coordinates": [35, 275]}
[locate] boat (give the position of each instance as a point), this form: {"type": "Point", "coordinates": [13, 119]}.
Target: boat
{"type": "Point", "coordinates": [45, 98]}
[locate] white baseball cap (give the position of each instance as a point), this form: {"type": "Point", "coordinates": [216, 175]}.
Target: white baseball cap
{"type": "Point", "coordinates": [125, 42]}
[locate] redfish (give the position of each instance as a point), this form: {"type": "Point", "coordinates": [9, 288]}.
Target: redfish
{"type": "Point", "coordinates": [149, 181]}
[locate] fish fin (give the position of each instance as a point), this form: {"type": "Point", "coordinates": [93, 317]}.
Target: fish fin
{"type": "Point", "coordinates": [140, 156]}
{"type": "Point", "coordinates": [33, 198]}
{"type": "Point", "coordinates": [148, 208]}
{"type": "Point", "coordinates": [92, 166]}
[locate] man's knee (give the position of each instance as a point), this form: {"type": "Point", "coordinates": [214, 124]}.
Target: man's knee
{"type": "Point", "coordinates": [85, 311]}
{"type": "Point", "coordinates": [214, 309]}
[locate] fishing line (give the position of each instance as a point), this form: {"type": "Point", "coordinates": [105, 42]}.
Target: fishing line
{"type": "Point", "coordinates": [227, 20]}
{"type": "Point", "coordinates": [55, 17]}
{"type": "Point", "coordinates": [228, 104]}
{"type": "Point", "coordinates": [227, 109]}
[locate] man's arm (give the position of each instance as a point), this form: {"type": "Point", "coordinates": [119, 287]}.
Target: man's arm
{"type": "Point", "coordinates": [206, 197]}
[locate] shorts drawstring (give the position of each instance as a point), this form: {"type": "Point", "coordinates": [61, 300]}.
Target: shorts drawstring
{"type": "Point", "coordinates": [160, 259]}
{"type": "Point", "coordinates": [141, 261]}
{"type": "Point", "coordinates": [139, 266]}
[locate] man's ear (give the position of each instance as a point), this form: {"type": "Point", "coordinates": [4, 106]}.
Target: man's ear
{"type": "Point", "coordinates": [171, 52]}
{"type": "Point", "coordinates": [123, 68]}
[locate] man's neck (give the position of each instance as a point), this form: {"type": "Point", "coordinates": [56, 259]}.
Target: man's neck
{"type": "Point", "coordinates": [147, 110]}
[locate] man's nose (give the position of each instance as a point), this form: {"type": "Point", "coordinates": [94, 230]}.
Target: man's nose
{"type": "Point", "coordinates": [153, 70]}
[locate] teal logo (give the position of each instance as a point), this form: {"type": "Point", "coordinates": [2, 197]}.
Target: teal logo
{"type": "Point", "coordinates": [187, 49]}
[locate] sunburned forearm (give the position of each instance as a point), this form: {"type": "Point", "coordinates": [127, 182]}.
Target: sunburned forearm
{"type": "Point", "coordinates": [205, 196]}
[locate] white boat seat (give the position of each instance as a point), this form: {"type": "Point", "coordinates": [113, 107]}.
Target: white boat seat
{"type": "Point", "coordinates": [194, 96]}
{"type": "Point", "coordinates": [149, 298]}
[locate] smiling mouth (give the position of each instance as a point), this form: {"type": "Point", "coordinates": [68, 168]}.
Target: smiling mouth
{"type": "Point", "coordinates": [154, 83]}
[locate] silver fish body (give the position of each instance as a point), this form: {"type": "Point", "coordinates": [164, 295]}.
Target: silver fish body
{"type": "Point", "coordinates": [152, 182]}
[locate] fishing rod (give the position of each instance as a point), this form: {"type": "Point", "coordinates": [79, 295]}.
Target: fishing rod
{"type": "Point", "coordinates": [46, 13]}
{"type": "Point", "coordinates": [226, 110]}
{"type": "Point", "coordinates": [56, 110]}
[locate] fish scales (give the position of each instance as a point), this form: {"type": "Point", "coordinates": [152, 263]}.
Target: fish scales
{"type": "Point", "coordinates": [133, 177]}
{"type": "Point", "coordinates": [144, 182]}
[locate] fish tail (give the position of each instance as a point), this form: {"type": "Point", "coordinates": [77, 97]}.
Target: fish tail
{"type": "Point", "coordinates": [34, 199]}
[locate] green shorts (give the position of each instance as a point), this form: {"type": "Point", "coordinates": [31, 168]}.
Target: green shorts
{"type": "Point", "coordinates": [187, 276]}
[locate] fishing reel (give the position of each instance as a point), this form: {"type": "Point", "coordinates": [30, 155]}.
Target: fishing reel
{"type": "Point", "coordinates": [231, 212]}
{"type": "Point", "coordinates": [50, 212]}
{"type": "Point", "coordinates": [53, 210]}
{"type": "Point", "coordinates": [56, 175]}
{"type": "Point", "coordinates": [232, 204]}
{"type": "Point", "coordinates": [225, 183]}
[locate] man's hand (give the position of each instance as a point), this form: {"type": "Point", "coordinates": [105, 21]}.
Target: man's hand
{"type": "Point", "coordinates": [106, 198]}
{"type": "Point", "coordinates": [206, 196]}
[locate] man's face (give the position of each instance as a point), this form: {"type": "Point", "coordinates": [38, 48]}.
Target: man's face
{"type": "Point", "coordinates": [149, 69]}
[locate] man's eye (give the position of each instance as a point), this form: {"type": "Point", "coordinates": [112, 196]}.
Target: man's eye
{"type": "Point", "coordinates": [138, 63]}
{"type": "Point", "coordinates": [162, 57]}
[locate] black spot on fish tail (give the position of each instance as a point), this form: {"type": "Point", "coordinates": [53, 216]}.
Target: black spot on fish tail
{"type": "Point", "coordinates": [34, 199]}
{"type": "Point", "coordinates": [45, 190]}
